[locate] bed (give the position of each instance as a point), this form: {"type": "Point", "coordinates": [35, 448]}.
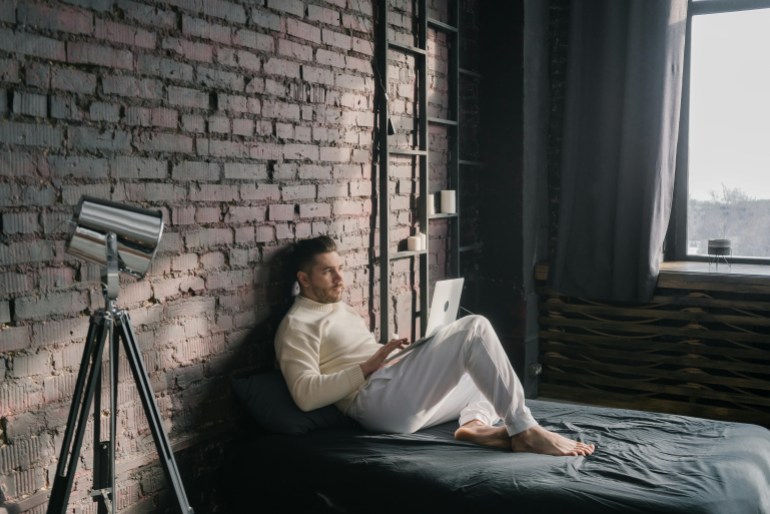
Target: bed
{"type": "Point", "coordinates": [644, 463]}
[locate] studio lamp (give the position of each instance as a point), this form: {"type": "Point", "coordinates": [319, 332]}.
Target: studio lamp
{"type": "Point", "coordinates": [119, 238]}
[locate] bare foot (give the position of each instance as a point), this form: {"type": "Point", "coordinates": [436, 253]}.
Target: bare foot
{"type": "Point", "coordinates": [479, 433]}
{"type": "Point", "coordinates": [539, 440]}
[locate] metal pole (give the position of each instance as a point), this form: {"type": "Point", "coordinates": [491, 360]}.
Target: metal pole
{"type": "Point", "coordinates": [384, 155]}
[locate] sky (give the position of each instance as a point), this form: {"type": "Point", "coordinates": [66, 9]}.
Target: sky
{"type": "Point", "coordinates": [730, 104]}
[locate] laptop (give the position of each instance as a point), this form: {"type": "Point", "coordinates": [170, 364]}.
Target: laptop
{"type": "Point", "coordinates": [443, 311]}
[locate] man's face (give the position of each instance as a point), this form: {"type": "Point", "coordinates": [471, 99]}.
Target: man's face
{"type": "Point", "coordinates": [323, 282]}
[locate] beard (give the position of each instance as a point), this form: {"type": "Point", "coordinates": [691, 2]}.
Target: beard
{"type": "Point", "coordinates": [329, 295]}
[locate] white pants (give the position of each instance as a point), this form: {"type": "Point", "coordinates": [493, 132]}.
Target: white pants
{"type": "Point", "coordinates": [463, 372]}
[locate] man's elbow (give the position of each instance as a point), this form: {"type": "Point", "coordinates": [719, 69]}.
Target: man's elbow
{"type": "Point", "coordinates": [304, 402]}
{"type": "Point", "coordinates": [306, 405]}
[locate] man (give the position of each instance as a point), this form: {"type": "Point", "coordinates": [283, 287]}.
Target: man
{"type": "Point", "coordinates": [327, 355]}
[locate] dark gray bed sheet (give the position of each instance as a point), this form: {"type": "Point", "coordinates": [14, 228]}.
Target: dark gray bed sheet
{"type": "Point", "coordinates": [644, 462]}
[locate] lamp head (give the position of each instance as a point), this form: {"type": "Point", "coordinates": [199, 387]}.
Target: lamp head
{"type": "Point", "coordinates": [136, 230]}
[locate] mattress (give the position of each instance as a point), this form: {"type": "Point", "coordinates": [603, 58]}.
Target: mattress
{"type": "Point", "coordinates": [644, 463]}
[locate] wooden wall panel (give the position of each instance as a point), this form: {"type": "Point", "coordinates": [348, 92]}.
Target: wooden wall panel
{"type": "Point", "coordinates": [700, 347]}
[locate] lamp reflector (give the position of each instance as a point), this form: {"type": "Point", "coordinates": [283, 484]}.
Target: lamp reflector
{"type": "Point", "coordinates": [138, 233]}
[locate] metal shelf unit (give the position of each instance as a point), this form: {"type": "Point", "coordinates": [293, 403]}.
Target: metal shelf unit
{"type": "Point", "coordinates": [420, 53]}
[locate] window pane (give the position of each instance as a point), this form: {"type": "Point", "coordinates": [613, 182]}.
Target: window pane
{"type": "Point", "coordinates": [729, 146]}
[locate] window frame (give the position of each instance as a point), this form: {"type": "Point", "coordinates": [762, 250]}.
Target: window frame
{"type": "Point", "coordinates": [675, 247]}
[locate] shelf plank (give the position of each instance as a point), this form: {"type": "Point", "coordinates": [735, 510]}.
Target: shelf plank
{"type": "Point", "coordinates": [407, 48]}
{"type": "Point", "coordinates": [472, 248]}
{"type": "Point", "coordinates": [440, 25]}
{"type": "Point", "coordinates": [470, 73]}
{"type": "Point", "coordinates": [403, 254]}
{"type": "Point", "coordinates": [405, 151]}
{"type": "Point", "coordinates": [442, 121]}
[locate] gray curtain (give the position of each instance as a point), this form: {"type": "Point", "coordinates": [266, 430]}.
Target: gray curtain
{"type": "Point", "coordinates": [624, 86]}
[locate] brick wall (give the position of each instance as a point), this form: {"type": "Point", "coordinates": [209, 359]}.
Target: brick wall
{"type": "Point", "coordinates": [249, 125]}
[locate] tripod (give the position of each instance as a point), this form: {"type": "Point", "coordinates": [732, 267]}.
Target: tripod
{"type": "Point", "coordinates": [111, 324]}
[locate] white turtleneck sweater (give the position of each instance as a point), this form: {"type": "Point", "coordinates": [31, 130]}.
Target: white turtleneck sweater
{"type": "Point", "coordinates": [320, 347]}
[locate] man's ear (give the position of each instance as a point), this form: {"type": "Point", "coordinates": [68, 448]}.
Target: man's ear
{"type": "Point", "coordinates": [303, 279]}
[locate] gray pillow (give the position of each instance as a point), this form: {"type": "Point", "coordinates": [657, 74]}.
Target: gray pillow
{"type": "Point", "coordinates": [268, 401]}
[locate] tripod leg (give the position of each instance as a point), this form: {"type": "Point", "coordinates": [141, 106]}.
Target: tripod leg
{"type": "Point", "coordinates": [85, 389]}
{"type": "Point", "coordinates": [114, 368]}
{"type": "Point", "coordinates": [104, 450]}
{"type": "Point", "coordinates": [151, 410]}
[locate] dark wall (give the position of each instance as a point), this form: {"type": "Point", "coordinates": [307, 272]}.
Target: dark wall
{"type": "Point", "coordinates": [515, 106]}
{"type": "Point", "coordinates": [516, 128]}
{"type": "Point", "coordinates": [502, 143]}
{"type": "Point", "coordinates": [558, 44]}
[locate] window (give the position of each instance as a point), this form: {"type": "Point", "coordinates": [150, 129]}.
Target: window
{"type": "Point", "coordinates": [725, 132]}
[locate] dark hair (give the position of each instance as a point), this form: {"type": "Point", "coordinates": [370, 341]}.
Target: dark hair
{"type": "Point", "coordinates": [306, 250]}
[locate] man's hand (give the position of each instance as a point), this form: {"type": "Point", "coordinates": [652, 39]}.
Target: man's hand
{"type": "Point", "coordinates": [376, 361]}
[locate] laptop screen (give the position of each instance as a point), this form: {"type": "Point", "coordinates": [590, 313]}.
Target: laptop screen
{"type": "Point", "coordinates": [445, 304]}
{"type": "Point", "coordinates": [443, 310]}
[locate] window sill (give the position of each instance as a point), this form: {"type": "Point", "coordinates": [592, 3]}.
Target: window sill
{"type": "Point", "coordinates": [693, 275]}
{"type": "Point", "coordinates": [739, 278]}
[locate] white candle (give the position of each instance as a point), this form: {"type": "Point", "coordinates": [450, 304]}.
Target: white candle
{"type": "Point", "coordinates": [423, 241]}
{"type": "Point", "coordinates": [413, 243]}
{"type": "Point", "coordinates": [448, 201]}
{"type": "Point", "coordinates": [431, 204]}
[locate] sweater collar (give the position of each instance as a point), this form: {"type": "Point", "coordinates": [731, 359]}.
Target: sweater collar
{"type": "Point", "coordinates": [313, 305]}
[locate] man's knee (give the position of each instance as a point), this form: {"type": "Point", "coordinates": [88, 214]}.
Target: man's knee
{"type": "Point", "coordinates": [472, 320]}
{"type": "Point", "coordinates": [473, 325]}
{"type": "Point", "coordinates": [480, 332]}
{"type": "Point", "coordinates": [479, 323]}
